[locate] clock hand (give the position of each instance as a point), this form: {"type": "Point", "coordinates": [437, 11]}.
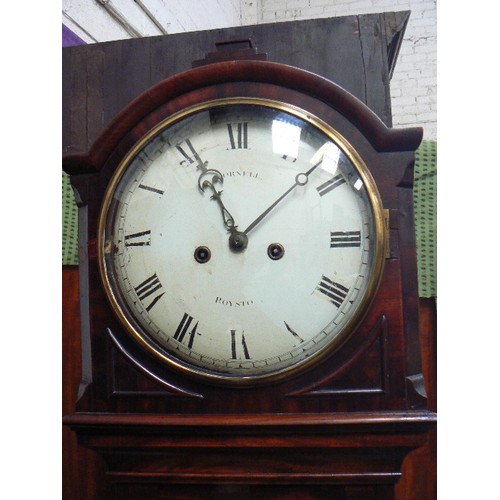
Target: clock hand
{"type": "Point", "coordinates": [237, 240]}
{"type": "Point", "coordinates": [216, 176]}
{"type": "Point", "coordinates": [300, 180]}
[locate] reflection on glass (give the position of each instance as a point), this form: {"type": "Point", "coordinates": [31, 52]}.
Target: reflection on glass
{"type": "Point", "coordinates": [286, 138]}
{"type": "Point", "coordinates": [358, 184]}
{"type": "Point", "coordinates": [329, 154]}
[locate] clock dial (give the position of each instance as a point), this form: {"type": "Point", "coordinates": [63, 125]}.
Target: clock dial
{"type": "Point", "coordinates": [241, 240]}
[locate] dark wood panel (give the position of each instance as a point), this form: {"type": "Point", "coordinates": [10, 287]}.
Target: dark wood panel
{"type": "Point", "coordinates": [83, 470]}
{"type": "Point", "coordinates": [375, 61]}
{"type": "Point", "coordinates": [248, 492]}
{"type": "Point", "coordinates": [352, 51]}
{"type": "Point", "coordinates": [428, 329]}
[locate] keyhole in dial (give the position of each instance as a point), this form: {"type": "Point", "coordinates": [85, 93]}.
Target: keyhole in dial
{"type": "Point", "coordinates": [275, 251]}
{"type": "Point", "coordinates": [202, 254]}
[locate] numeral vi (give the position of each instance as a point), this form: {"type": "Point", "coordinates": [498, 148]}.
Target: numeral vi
{"type": "Point", "coordinates": [239, 349]}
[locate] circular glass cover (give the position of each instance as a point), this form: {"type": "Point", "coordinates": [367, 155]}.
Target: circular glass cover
{"type": "Point", "coordinates": [241, 240]}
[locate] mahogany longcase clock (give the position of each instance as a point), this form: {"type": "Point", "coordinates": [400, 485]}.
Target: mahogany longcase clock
{"type": "Point", "coordinates": [252, 322]}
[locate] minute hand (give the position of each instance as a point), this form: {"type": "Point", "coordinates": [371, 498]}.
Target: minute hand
{"type": "Point", "coordinates": [300, 180]}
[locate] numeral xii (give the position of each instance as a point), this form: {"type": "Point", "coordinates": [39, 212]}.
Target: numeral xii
{"type": "Point", "coordinates": [238, 135]}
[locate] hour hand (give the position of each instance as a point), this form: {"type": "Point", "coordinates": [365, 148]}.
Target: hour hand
{"type": "Point", "coordinates": [208, 179]}
{"type": "Point", "coordinates": [238, 241]}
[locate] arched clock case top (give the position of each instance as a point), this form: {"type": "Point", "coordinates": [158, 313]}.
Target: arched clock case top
{"type": "Point", "coordinates": [374, 366]}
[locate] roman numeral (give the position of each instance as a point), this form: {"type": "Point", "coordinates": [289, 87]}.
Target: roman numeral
{"type": "Point", "coordinates": [328, 186]}
{"type": "Point", "coordinates": [238, 138]}
{"type": "Point", "coordinates": [147, 288]}
{"type": "Point", "coordinates": [138, 239]}
{"type": "Point", "coordinates": [152, 189]}
{"type": "Point", "coordinates": [183, 329]}
{"type": "Point", "coordinates": [334, 291]}
{"type": "Point", "coordinates": [189, 154]}
{"type": "Point", "coordinates": [293, 332]}
{"type": "Point", "coordinates": [345, 239]}
{"type": "Point", "coordinates": [239, 347]}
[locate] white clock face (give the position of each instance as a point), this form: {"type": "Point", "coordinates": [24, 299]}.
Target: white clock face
{"type": "Point", "coordinates": [241, 240]}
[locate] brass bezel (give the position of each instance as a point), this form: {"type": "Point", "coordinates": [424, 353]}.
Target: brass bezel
{"type": "Point", "coordinates": [374, 280]}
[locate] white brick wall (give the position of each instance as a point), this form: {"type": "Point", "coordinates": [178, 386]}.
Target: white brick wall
{"type": "Point", "coordinates": [90, 20]}
{"type": "Point", "coordinates": [413, 85]}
